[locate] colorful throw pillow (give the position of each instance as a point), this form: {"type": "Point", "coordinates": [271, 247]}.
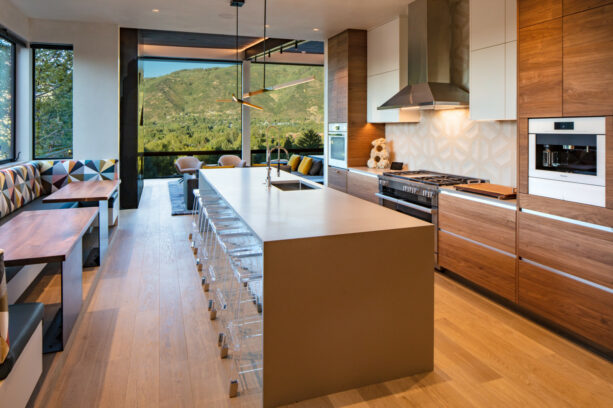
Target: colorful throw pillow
{"type": "Point", "coordinates": [4, 312]}
{"type": "Point", "coordinates": [294, 161]}
{"type": "Point", "coordinates": [316, 168]}
{"type": "Point", "coordinates": [305, 166]}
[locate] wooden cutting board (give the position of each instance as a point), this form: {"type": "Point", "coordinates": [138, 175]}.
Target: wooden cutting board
{"type": "Point", "coordinates": [491, 190]}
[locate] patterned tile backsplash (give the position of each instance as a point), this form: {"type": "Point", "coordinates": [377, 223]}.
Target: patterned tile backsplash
{"type": "Point", "coordinates": [448, 141]}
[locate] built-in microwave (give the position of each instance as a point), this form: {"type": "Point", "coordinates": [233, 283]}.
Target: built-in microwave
{"type": "Point", "coordinates": [337, 145]}
{"type": "Point", "coordinates": [567, 159]}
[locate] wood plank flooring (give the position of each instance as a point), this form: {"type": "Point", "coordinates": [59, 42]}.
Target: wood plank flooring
{"type": "Point", "coordinates": [146, 341]}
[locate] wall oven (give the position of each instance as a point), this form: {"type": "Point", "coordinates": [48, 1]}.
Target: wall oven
{"type": "Point", "coordinates": [567, 159]}
{"type": "Point", "coordinates": [337, 145]}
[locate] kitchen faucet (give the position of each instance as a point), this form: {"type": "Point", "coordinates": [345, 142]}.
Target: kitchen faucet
{"type": "Point", "coordinates": [269, 153]}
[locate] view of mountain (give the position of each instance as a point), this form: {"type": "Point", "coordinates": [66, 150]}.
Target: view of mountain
{"type": "Point", "coordinates": [181, 112]}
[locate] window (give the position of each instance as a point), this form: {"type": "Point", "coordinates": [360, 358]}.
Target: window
{"type": "Point", "coordinates": [53, 67]}
{"type": "Point", "coordinates": [182, 115]}
{"type": "Point", "coordinates": [7, 100]}
{"type": "Point", "coordinates": [297, 112]}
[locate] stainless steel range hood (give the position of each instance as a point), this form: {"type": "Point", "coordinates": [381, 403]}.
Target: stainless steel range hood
{"type": "Point", "coordinates": [430, 60]}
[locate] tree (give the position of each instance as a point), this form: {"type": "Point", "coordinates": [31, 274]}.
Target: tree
{"type": "Point", "coordinates": [53, 103]}
{"type": "Point", "coordinates": [310, 139]}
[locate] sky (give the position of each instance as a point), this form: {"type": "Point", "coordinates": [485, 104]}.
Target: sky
{"type": "Point", "coordinates": [156, 68]}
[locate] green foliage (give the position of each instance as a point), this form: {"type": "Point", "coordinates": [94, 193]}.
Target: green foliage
{"type": "Point", "coordinates": [53, 103]}
{"type": "Point", "coordinates": [310, 138]}
{"type": "Point", "coordinates": [181, 111]}
{"type": "Point", "coordinates": [6, 99]}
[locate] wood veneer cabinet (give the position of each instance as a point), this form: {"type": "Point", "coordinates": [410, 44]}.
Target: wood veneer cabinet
{"type": "Point", "coordinates": [531, 12]}
{"type": "Point", "coordinates": [337, 179]}
{"type": "Point", "coordinates": [540, 70]}
{"type": "Point", "coordinates": [488, 224]}
{"type": "Point", "coordinates": [565, 54]}
{"type": "Point", "coordinates": [575, 6]}
{"type": "Point", "coordinates": [477, 241]}
{"type": "Point", "coordinates": [580, 308]}
{"type": "Point", "coordinates": [362, 186]}
{"type": "Point", "coordinates": [574, 249]}
{"type": "Point", "coordinates": [347, 93]}
{"type": "Point", "coordinates": [489, 269]}
{"type": "Point", "coordinates": [588, 62]}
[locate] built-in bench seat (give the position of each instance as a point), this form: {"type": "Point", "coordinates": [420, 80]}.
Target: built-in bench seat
{"type": "Point", "coordinates": [24, 363]}
{"type": "Point", "coordinates": [23, 187]}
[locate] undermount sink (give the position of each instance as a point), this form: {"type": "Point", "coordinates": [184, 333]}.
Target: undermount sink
{"type": "Point", "coordinates": [293, 185]}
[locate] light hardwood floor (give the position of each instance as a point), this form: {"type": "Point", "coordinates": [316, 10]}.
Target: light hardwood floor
{"type": "Point", "coordinates": [146, 341]}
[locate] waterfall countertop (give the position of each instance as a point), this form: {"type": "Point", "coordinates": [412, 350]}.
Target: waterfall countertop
{"type": "Point", "coordinates": [275, 215]}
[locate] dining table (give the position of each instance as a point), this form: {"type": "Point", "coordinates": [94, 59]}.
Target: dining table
{"type": "Point", "coordinates": [99, 191]}
{"type": "Point", "coordinates": [46, 237]}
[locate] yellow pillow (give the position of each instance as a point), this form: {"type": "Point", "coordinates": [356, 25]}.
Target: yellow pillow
{"type": "Point", "coordinates": [294, 161]}
{"type": "Point", "coordinates": [305, 166]}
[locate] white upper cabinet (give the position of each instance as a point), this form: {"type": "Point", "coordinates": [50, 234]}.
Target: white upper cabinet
{"type": "Point", "coordinates": [511, 80]}
{"type": "Point", "coordinates": [388, 71]}
{"type": "Point", "coordinates": [487, 83]}
{"type": "Point", "coordinates": [493, 59]}
{"type": "Point", "coordinates": [487, 23]}
{"type": "Point", "coordinates": [511, 20]}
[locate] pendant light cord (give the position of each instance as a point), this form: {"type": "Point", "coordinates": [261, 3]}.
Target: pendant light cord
{"type": "Point", "coordinates": [265, 21]}
{"type": "Point", "coordinates": [236, 41]}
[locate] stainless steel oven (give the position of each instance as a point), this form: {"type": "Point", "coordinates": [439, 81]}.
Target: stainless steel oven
{"type": "Point", "coordinates": [567, 159]}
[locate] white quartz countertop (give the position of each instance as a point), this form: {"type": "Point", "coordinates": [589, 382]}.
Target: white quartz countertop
{"type": "Point", "coordinates": [371, 172]}
{"type": "Point", "coordinates": [275, 215]}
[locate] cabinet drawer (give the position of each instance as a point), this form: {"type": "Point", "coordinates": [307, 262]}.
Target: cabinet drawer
{"type": "Point", "coordinates": [574, 249]}
{"type": "Point", "coordinates": [581, 308]}
{"type": "Point", "coordinates": [337, 179]}
{"type": "Point", "coordinates": [485, 267]}
{"type": "Point", "coordinates": [364, 187]}
{"type": "Point", "coordinates": [487, 224]}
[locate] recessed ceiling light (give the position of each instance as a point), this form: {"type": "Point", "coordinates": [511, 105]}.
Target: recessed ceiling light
{"type": "Point", "coordinates": [155, 10]}
{"type": "Point", "coordinates": [316, 29]}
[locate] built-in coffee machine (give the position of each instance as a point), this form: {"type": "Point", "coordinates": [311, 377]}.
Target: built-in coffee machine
{"type": "Point", "coordinates": [567, 159]}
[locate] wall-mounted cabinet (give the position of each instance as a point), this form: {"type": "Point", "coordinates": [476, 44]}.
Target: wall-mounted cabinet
{"type": "Point", "coordinates": [347, 80]}
{"type": "Point", "coordinates": [388, 71]}
{"type": "Point", "coordinates": [493, 59]}
{"type": "Point", "coordinates": [565, 57]}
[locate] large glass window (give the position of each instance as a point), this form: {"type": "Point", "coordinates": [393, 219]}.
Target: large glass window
{"type": "Point", "coordinates": [297, 113]}
{"type": "Point", "coordinates": [182, 115]}
{"type": "Point", "coordinates": [53, 68]}
{"type": "Point", "coordinates": [7, 100]}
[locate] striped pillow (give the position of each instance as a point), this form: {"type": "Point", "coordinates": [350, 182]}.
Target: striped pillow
{"type": "Point", "coordinates": [4, 312]}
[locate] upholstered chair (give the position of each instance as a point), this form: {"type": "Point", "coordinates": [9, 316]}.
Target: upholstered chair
{"type": "Point", "coordinates": [230, 160]}
{"type": "Point", "coordinates": [188, 165]}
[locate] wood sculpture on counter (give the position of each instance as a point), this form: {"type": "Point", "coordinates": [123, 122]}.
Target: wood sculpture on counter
{"type": "Point", "coordinates": [379, 155]}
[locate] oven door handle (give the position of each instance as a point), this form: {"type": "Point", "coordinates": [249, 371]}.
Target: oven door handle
{"type": "Point", "coordinates": [404, 203]}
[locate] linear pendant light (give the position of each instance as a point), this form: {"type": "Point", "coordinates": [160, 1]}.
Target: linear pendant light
{"type": "Point", "coordinates": [265, 89]}
{"type": "Point", "coordinates": [235, 99]}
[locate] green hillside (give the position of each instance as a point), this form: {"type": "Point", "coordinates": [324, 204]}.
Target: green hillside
{"type": "Point", "coordinates": [181, 112]}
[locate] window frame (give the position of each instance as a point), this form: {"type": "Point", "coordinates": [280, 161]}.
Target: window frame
{"type": "Point", "coordinates": [45, 46]}
{"type": "Point", "coordinates": [7, 37]}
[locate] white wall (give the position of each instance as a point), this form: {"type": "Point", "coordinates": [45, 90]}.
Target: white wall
{"type": "Point", "coordinates": [448, 141]}
{"type": "Point", "coordinates": [13, 19]}
{"type": "Point", "coordinates": [95, 83]}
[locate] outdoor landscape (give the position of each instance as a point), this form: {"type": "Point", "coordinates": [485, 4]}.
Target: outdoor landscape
{"type": "Point", "coordinates": [181, 112]}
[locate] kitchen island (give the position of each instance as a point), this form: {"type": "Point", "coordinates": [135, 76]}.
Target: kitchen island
{"type": "Point", "coordinates": [348, 285]}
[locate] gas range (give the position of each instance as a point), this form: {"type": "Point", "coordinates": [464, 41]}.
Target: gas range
{"type": "Point", "coordinates": [433, 178]}
{"type": "Point", "coordinates": [416, 193]}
